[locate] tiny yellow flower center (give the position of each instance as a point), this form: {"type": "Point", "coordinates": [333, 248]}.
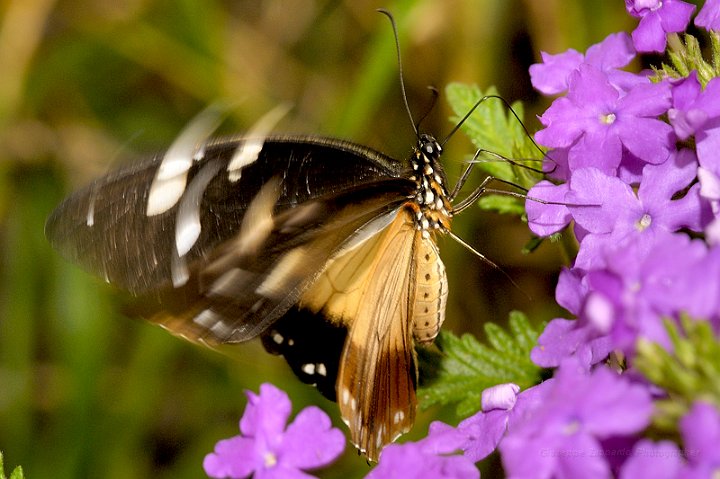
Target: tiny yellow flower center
{"type": "Point", "coordinates": [572, 428]}
{"type": "Point", "coordinates": [644, 222]}
{"type": "Point", "coordinates": [270, 459]}
{"type": "Point", "coordinates": [608, 119]}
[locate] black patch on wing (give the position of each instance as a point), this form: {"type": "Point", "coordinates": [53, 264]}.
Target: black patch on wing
{"type": "Point", "coordinates": [305, 338]}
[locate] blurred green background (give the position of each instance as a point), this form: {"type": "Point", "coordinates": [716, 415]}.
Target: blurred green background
{"type": "Point", "coordinates": [84, 85]}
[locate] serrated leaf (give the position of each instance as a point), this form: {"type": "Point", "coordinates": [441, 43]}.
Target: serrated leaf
{"type": "Point", "coordinates": [494, 128]}
{"type": "Point", "coordinates": [16, 474]}
{"type": "Point", "coordinates": [467, 366]}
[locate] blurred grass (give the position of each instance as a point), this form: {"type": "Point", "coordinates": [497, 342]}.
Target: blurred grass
{"type": "Point", "coordinates": [85, 392]}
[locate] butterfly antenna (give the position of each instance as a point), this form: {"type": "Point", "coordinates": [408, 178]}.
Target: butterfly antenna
{"type": "Point", "coordinates": [477, 104]}
{"type": "Point", "coordinates": [400, 69]}
{"type": "Point", "coordinates": [433, 101]}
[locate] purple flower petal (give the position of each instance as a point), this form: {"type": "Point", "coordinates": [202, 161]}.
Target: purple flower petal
{"type": "Point", "coordinates": [686, 116]}
{"type": "Point", "coordinates": [626, 407]}
{"type": "Point", "coordinates": [559, 120]}
{"type": "Point", "coordinates": [615, 51]}
{"type": "Point", "coordinates": [709, 15]}
{"type": "Point", "coordinates": [483, 431]}
{"type": "Point", "coordinates": [707, 143]}
{"type": "Point", "coordinates": [675, 15]}
{"type": "Point", "coordinates": [565, 338]}
{"type": "Point", "coordinates": [550, 76]}
{"type": "Point", "coordinates": [311, 441]}
{"type": "Point", "coordinates": [546, 219]}
{"type": "Point", "coordinates": [266, 413]}
{"type": "Point", "coordinates": [443, 439]}
{"type": "Point", "coordinates": [649, 36]}
{"type": "Point", "coordinates": [650, 460]}
{"type": "Point", "coordinates": [411, 461]}
{"type": "Point", "coordinates": [578, 457]}
{"type": "Point", "coordinates": [234, 458]}
{"type": "Point", "coordinates": [700, 429]}
{"type": "Point", "coordinates": [599, 203]}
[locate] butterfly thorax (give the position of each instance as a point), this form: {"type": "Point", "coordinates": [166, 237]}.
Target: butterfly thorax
{"type": "Point", "coordinates": [431, 207]}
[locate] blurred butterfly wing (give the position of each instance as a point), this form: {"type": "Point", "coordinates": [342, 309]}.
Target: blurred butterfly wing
{"type": "Point", "coordinates": [235, 296]}
{"type": "Point", "coordinates": [317, 193]}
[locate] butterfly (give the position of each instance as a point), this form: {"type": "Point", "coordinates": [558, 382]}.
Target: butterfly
{"type": "Point", "coordinates": [324, 249]}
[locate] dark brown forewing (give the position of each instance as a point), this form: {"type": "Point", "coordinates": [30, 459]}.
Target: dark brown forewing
{"type": "Point", "coordinates": [377, 376]}
{"type": "Point", "coordinates": [105, 229]}
{"type": "Point", "coordinates": [241, 273]}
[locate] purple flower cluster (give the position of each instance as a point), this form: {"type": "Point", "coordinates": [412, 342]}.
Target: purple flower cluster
{"type": "Point", "coordinates": [635, 164]}
{"type": "Point", "coordinates": [636, 168]}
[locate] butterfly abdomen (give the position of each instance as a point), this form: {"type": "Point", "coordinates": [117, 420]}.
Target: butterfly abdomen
{"type": "Point", "coordinates": [431, 292]}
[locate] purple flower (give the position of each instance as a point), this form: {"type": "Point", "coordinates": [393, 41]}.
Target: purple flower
{"type": "Point", "coordinates": [576, 413]}
{"type": "Point", "coordinates": [595, 122]}
{"type": "Point", "coordinates": [265, 448]}
{"type": "Point", "coordinates": [429, 458]}
{"type": "Point", "coordinates": [709, 15]}
{"type": "Point", "coordinates": [657, 19]}
{"type": "Point", "coordinates": [622, 213]}
{"type": "Point", "coordinates": [650, 460]}
{"type": "Point", "coordinates": [616, 51]}
{"type": "Point", "coordinates": [606, 209]}
{"type": "Point", "coordinates": [700, 429]}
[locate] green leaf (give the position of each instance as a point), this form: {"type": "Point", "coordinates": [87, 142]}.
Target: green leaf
{"type": "Point", "coordinates": [466, 366]}
{"type": "Point", "coordinates": [502, 204]}
{"type": "Point", "coordinates": [16, 474]}
{"type": "Point", "coordinates": [493, 128]}
{"type": "Point", "coordinates": [690, 373]}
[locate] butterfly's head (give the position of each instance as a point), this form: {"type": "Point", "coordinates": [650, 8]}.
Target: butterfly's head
{"type": "Point", "coordinates": [429, 148]}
